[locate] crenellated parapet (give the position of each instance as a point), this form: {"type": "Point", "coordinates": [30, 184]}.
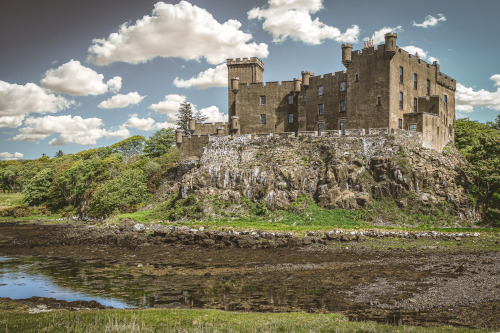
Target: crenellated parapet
{"type": "Point", "coordinates": [245, 61]}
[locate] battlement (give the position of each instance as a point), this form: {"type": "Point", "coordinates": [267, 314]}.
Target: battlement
{"type": "Point", "coordinates": [245, 61]}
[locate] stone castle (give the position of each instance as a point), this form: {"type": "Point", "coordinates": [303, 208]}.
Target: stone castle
{"type": "Point", "coordinates": [384, 89]}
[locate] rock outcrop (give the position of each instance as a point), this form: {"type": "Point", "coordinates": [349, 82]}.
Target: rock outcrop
{"type": "Point", "coordinates": [348, 171]}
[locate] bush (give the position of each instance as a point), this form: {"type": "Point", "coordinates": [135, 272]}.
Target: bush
{"type": "Point", "coordinates": [17, 211]}
{"type": "Point", "coordinates": [120, 194]}
{"type": "Point", "coordinates": [37, 190]}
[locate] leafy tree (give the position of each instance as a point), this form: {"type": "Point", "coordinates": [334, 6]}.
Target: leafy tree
{"type": "Point", "coordinates": [184, 115]}
{"type": "Point", "coordinates": [37, 190]}
{"type": "Point", "coordinates": [59, 153]}
{"type": "Point", "coordinates": [9, 178]}
{"type": "Point", "coordinates": [480, 145]}
{"type": "Point", "coordinates": [162, 142]}
{"type": "Point", "coordinates": [130, 147]}
{"type": "Point", "coordinates": [71, 186]}
{"type": "Point", "coordinates": [122, 193]}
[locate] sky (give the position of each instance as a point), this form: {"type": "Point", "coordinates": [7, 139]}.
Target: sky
{"type": "Point", "coordinates": [76, 75]}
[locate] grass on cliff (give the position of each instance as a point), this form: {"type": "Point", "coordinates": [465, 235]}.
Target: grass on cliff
{"type": "Point", "coordinates": [303, 214]}
{"type": "Point", "coordinates": [153, 320]}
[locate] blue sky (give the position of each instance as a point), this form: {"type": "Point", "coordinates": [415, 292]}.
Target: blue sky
{"type": "Point", "coordinates": [76, 75]}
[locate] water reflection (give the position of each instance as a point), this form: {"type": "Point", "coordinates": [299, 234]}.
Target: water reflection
{"type": "Point", "coordinates": [27, 277]}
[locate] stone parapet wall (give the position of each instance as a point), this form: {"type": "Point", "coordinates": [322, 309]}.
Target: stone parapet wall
{"type": "Point", "coordinates": [287, 148]}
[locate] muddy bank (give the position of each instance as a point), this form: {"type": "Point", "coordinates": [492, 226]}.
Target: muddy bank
{"type": "Point", "coordinates": [420, 284]}
{"type": "Point", "coordinates": [44, 304]}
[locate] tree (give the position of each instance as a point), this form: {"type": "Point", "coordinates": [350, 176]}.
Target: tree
{"type": "Point", "coordinates": [120, 193]}
{"type": "Point", "coordinates": [162, 142]}
{"type": "Point", "coordinates": [9, 177]}
{"type": "Point", "coordinates": [37, 190]}
{"type": "Point", "coordinates": [184, 115]}
{"type": "Point", "coordinates": [199, 116]}
{"type": "Point", "coordinates": [130, 147]}
{"type": "Point", "coordinates": [480, 145]}
{"type": "Point", "coordinates": [59, 153]}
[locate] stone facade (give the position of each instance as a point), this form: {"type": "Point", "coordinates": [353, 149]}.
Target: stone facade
{"type": "Point", "coordinates": [382, 87]}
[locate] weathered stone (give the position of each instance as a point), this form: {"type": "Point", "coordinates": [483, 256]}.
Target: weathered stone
{"type": "Point", "coordinates": [306, 241]}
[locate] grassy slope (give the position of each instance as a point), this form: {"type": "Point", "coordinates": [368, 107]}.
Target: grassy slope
{"type": "Point", "coordinates": [154, 320]}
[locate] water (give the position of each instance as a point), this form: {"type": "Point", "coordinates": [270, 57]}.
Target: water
{"type": "Point", "coordinates": [27, 277]}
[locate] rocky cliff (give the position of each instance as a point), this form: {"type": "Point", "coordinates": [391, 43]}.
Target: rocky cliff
{"type": "Point", "coordinates": [337, 171]}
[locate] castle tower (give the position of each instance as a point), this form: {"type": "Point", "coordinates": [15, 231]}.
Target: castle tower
{"type": "Point", "coordinates": [346, 54]}
{"type": "Point", "coordinates": [247, 70]}
{"type": "Point", "coordinates": [390, 44]}
{"type": "Point", "coordinates": [240, 72]}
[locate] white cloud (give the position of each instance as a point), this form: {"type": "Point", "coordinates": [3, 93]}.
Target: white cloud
{"type": "Point", "coordinates": [170, 105]}
{"type": "Point", "coordinates": [165, 125]}
{"type": "Point", "coordinates": [421, 53]}
{"type": "Point", "coordinates": [496, 78]}
{"type": "Point", "coordinates": [17, 101]}
{"type": "Point", "coordinates": [121, 101]}
{"type": "Point", "coordinates": [8, 156]}
{"type": "Point", "coordinates": [71, 129]}
{"type": "Point", "coordinates": [292, 18]}
{"type": "Point", "coordinates": [114, 84]}
{"type": "Point", "coordinates": [467, 98]}
{"type": "Point", "coordinates": [144, 124]}
{"type": "Point", "coordinates": [213, 114]}
{"type": "Point", "coordinates": [75, 79]}
{"type": "Point", "coordinates": [180, 30]}
{"type": "Point", "coordinates": [430, 21]}
{"type": "Point", "coordinates": [378, 36]}
{"type": "Point", "coordinates": [212, 77]}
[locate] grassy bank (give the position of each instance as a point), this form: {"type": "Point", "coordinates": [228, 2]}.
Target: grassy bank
{"type": "Point", "coordinates": [192, 321]}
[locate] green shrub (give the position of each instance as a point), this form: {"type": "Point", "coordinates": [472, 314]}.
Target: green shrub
{"type": "Point", "coordinates": [120, 194]}
{"type": "Point", "coordinates": [17, 211]}
{"type": "Point", "coordinates": [37, 190]}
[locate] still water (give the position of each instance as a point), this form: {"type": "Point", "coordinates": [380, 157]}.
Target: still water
{"type": "Point", "coordinates": [62, 279]}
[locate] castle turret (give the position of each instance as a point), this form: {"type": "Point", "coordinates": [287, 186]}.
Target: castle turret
{"type": "Point", "coordinates": [178, 137]}
{"type": "Point", "coordinates": [346, 54]}
{"type": "Point", "coordinates": [297, 84]}
{"type": "Point", "coordinates": [390, 44]}
{"type": "Point", "coordinates": [192, 125]}
{"type": "Point", "coordinates": [305, 78]}
{"type": "Point", "coordinates": [235, 84]}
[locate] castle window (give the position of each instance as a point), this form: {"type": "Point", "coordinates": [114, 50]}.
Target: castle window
{"type": "Point", "coordinates": [342, 106]}
{"type": "Point", "coordinates": [400, 74]}
{"type": "Point", "coordinates": [401, 100]}
{"type": "Point", "coordinates": [357, 77]}
{"type": "Point", "coordinates": [379, 100]}
{"type": "Point", "coordinates": [412, 127]}
{"type": "Point", "coordinates": [321, 108]}
{"type": "Point", "coordinates": [321, 128]}
{"type": "Point", "coordinates": [262, 119]}
{"type": "Point", "coordinates": [446, 99]}
{"type": "Point", "coordinates": [400, 123]}
{"type": "Point", "coordinates": [428, 87]}
{"type": "Point", "coordinates": [262, 100]}
{"type": "Point", "coordinates": [415, 80]}
{"type": "Point", "coordinates": [415, 104]}
{"type": "Point", "coordinates": [320, 90]}
{"type": "Point", "coordinates": [342, 126]}
{"type": "Point", "coordinates": [290, 118]}
{"type": "Point", "coordinates": [343, 86]}
{"type": "Point", "coordinates": [305, 98]}
{"type": "Point", "coordinates": [438, 130]}
{"type": "Point", "coordinates": [290, 99]}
